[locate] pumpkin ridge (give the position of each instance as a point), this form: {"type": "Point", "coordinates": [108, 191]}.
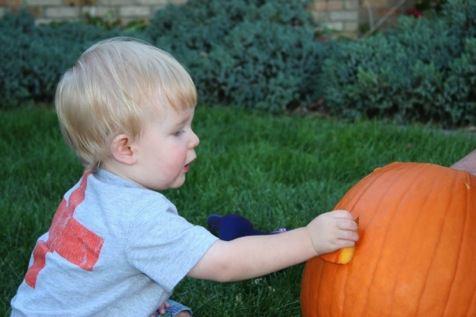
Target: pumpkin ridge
{"type": "Point", "coordinates": [321, 285]}
{"type": "Point", "coordinates": [346, 289]}
{"type": "Point", "coordinates": [374, 179]}
{"type": "Point", "coordinates": [430, 169]}
{"type": "Point", "coordinates": [436, 247]}
{"type": "Point", "coordinates": [460, 258]}
{"type": "Point", "coordinates": [401, 173]}
{"type": "Point", "coordinates": [366, 182]}
{"type": "Point", "coordinates": [472, 305]}
{"type": "Point", "coordinates": [378, 175]}
{"type": "Point", "coordinates": [471, 180]}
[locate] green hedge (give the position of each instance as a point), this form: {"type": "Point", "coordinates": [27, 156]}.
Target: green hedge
{"type": "Point", "coordinates": [257, 54]}
{"type": "Point", "coordinates": [423, 71]}
{"type": "Point", "coordinates": [34, 57]}
{"type": "Point", "coordinates": [264, 54]}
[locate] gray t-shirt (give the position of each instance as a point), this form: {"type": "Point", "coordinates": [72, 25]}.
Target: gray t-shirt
{"type": "Point", "coordinates": [114, 248]}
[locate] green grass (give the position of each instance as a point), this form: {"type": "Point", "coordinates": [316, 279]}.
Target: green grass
{"type": "Point", "coordinates": [278, 171]}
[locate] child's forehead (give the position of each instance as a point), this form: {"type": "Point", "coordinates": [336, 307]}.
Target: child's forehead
{"type": "Point", "coordinates": [160, 98]}
{"type": "Point", "coordinates": [160, 106]}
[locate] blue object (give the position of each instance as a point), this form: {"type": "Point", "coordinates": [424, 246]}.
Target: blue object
{"type": "Point", "coordinates": [234, 226]}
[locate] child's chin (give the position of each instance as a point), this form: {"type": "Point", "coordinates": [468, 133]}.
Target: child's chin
{"type": "Point", "coordinates": [178, 183]}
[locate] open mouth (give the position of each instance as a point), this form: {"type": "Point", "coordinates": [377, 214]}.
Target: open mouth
{"type": "Point", "coordinates": [186, 168]}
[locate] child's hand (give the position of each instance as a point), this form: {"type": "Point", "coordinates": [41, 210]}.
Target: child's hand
{"type": "Point", "coordinates": [161, 309]}
{"type": "Point", "coordinates": [332, 231]}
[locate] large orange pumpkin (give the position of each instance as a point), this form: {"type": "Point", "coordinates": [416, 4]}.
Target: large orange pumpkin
{"type": "Point", "coordinates": [417, 251]}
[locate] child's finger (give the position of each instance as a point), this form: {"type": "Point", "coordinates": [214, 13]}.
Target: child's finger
{"type": "Point", "coordinates": [348, 224]}
{"type": "Point", "coordinates": [339, 213]}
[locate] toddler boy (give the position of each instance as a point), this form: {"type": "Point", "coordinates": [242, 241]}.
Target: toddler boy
{"type": "Point", "coordinates": [116, 246]}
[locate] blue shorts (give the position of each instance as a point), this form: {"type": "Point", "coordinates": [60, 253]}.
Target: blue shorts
{"type": "Point", "coordinates": [174, 309]}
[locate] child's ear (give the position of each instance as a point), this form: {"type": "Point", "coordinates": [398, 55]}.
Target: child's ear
{"type": "Point", "coordinates": [122, 150]}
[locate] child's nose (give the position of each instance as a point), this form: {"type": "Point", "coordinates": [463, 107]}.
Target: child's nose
{"type": "Point", "coordinates": [194, 141]}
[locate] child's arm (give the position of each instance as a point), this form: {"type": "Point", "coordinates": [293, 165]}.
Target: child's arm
{"type": "Point", "coordinates": [254, 256]}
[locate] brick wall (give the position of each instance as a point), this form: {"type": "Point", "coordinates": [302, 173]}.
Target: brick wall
{"type": "Point", "coordinates": [75, 10]}
{"type": "Point", "coordinates": [343, 16]}
{"type": "Point", "coordinates": [338, 15]}
{"type": "Point", "coordinates": [350, 16]}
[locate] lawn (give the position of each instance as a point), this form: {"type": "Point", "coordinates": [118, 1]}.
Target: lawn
{"type": "Point", "coordinates": [279, 171]}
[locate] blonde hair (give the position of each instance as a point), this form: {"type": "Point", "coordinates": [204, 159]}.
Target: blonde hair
{"type": "Point", "coordinates": [110, 90]}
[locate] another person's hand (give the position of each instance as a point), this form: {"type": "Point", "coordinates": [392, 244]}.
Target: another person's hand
{"type": "Point", "coordinates": [467, 163]}
{"type": "Point", "coordinates": [333, 230]}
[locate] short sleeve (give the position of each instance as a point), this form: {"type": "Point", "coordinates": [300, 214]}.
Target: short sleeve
{"type": "Point", "coordinates": [165, 246]}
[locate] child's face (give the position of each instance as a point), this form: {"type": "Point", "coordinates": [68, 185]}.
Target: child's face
{"type": "Point", "coordinates": [165, 149]}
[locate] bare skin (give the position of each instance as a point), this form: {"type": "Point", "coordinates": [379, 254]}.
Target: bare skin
{"type": "Point", "coordinates": [253, 256]}
{"type": "Point", "coordinates": [467, 163]}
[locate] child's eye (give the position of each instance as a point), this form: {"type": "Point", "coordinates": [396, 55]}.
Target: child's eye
{"type": "Point", "coordinates": [179, 132]}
